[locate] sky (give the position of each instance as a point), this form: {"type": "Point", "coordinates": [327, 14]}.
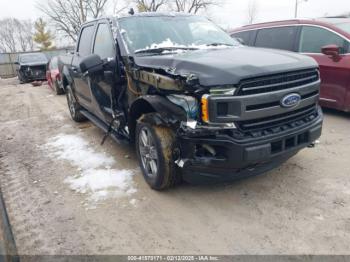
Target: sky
{"type": "Point", "coordinates": [230, 14]}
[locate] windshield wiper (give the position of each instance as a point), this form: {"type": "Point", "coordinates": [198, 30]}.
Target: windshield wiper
{"type": "Point", "coordinates": [160, 50]}
{"type": "Point", "coordinates": [218, 44]}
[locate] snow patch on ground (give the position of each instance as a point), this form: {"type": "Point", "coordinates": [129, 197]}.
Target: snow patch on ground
{"type": "Point", "coordinates": [95, 175]}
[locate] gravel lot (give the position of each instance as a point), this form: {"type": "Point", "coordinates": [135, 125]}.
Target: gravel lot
{"type": "Point", "coordinates": [300, 208]}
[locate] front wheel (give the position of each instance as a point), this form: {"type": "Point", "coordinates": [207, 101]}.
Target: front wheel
{"type": "Point", "coordinates": [74, 107]}
{"type": "Point", "coordinates": [21, 78]}
{"type": "Point", "coordinates": [155, 146]}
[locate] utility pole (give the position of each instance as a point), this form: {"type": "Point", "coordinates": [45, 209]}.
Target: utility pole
{"type": "Point", "coordinates": [297, 2]}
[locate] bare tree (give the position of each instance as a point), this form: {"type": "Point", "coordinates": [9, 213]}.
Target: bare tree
{"type": "Point", "coordinates": [149, 5]}
{"type": "Point", "coordinates": [16, 35]}
{"type": "Point", "coordinates": [69, 15]}
{"type": "Point", "coordinates": [252, 11]}
{"type": "Point", "coordinates": [25, 35]}
{"type": "Point", "coordinates": [193, 6]}
{"type": "Point", "coordinates": [7, 36]}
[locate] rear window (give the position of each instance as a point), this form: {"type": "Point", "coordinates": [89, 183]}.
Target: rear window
{"type": "Point", "coordinates": [53, 63]}
{"type": "Point", "coordinates": [245, 36]}
{"type": "Point", "coordinates": [84, 47]}
{"type": "Point", "coordinates": [33, 58]}
{"type": "Point", "coordinates": [277, 38]}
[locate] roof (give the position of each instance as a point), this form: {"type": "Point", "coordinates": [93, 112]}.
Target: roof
{"type": "Point", "coordinates": [141, 14]}
{"type": "Point", "coordinates": [329, 22]}
{"type": "Point", "coordinates": [159, 14]}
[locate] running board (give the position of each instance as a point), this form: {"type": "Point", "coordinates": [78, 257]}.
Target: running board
{"type": "Point", "coordinates": [100, 124]}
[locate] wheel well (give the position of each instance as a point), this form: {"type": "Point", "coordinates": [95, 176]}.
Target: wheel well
{"type": "Point", "coordinates": [65, 82]}
{"type": "Point", "coordinates": [138, 108]}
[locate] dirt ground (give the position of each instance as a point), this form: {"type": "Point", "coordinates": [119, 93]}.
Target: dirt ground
{"type": "Point", "coordinates": [300, 208]}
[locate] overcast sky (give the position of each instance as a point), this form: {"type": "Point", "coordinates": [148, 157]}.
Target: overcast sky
{"type": "Point", "coordinates": [231, 13]}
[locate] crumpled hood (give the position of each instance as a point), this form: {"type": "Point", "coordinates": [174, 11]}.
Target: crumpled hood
{"type": "Point", "coordinates": [227, 66]}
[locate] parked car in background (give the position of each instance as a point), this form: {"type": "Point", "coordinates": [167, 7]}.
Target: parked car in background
{"type": "Point", "coordinates": [53, 76]}
{"type": "Point", "coordinates": [327, 40]}
{"type": "Point", "coordinates": [196, 103]}
{"type": "Point", "coordinates": [31, 67]}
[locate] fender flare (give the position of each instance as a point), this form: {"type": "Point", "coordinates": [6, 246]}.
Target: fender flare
{"type": "Point", "coordinates": [67, 79]}
{"type": "Point", "coordinates": [167, 113]}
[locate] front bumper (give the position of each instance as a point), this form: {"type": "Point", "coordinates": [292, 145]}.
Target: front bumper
{"type": "Point", "coordinates": [236, 159]}
{"type": "Point", "coordinates": [36, 73]}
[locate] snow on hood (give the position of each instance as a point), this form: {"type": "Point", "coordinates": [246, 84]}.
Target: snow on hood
{"type": "Point", "coordinates": [169, 44]}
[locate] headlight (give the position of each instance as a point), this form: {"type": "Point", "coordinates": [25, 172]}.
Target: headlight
{"type": "Point", "coordinates": [223, 90]}
{"type": "Point", "coordinates": [188, 103]}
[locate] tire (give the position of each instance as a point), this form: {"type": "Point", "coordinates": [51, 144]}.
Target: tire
{"type": "Point", "coordinates": [21, 79]}
{"type": "Point", "coordinates": [57, 88]}
{"type": "Point", "coordinates": [74, 107]}
{"type": "Point", "coordinates": [154, 147]}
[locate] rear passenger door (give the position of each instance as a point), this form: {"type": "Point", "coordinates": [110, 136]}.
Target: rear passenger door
{"type": "Point", "coordinates": [284, 38]}
{"type": "Point", "coordinates": [334, 72]}
{"type": "Point", "coordinates": [81, 83]}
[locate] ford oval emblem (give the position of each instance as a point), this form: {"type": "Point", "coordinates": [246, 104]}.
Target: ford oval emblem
{"type": "Point", "coordinates": [291, 100]}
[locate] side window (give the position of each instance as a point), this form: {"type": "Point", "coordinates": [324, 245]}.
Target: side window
{"type": "Point", "coordinates": [312, 39]}
{"type": "Point", "coordinates": [278, 38]}
{"type": "Point", "coordinates": [54, 63]}
{"type": "Point", "coordinates": [84, 47]}
{"type": "Point", "coordinates": [104, 44]}
{"type": "Point", "coordinates": [245, 36]}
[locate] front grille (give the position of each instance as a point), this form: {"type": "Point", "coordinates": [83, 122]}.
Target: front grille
{"type": "Point", "coordinates": [37, 72]}
{"type": "Point", "coordinates": [280, 122]}
{"type": "Point", "coordinates": [277, 82]}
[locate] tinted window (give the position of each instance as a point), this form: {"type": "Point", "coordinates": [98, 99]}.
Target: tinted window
{"type": "Point", "coordinates": [104, 44]}
{"type": "Point", "coordinates": [85, 41]}
{"type": "Point", "coordinates": [245, 36]}
{"type": "Point", "coordinates": [278, 38]}
{"type": "Point", "coordinates": [312, 39]}
{"type": "Point", "coordinates": [54, 63]}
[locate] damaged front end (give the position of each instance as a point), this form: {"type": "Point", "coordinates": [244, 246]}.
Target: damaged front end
{"type": "Point", "coordinates": [33, 72]}
{"type": "Point", "coordinates": [223, 134]}
{"type": "Point", "coordinates": [236, 111]}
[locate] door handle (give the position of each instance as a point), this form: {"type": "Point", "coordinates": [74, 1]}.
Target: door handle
{"type": "Point", "coordinates": [74, 69]}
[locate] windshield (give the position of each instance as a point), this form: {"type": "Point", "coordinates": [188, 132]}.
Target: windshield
{"type": "Point", "coordinates": [33, 58]}
{"type": "Point", "coordinates": [344, 26]}
{"type": "Point", "coordinates": [192, 32]}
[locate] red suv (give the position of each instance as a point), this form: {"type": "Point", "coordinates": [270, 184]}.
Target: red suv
{"type": "Point", "coordinates": [327, 40]}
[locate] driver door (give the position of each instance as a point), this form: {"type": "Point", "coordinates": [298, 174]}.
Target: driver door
{"type": "Point", "coordinates": [104, 86]}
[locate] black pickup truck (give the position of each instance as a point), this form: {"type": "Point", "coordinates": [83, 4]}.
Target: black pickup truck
{"type": "Point", "coordinates": [198, 105]}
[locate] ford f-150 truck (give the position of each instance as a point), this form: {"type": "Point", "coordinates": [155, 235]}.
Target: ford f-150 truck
{"type": "Point", "coordinates": [198, 105]}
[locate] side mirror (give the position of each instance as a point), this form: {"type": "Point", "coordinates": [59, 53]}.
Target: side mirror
{"type": "Point", "coordinates": [16, 63]}
{"type": "Point", "coordinates": [331, 50]}
{"type": "Point", "coordinates": [91, 64]}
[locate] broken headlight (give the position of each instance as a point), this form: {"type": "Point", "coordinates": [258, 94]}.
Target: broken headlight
{"type": "Point", "coordinates": [188, 103]}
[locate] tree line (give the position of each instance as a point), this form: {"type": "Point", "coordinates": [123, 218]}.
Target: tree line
{"type": "Point", "coordinates": [21, 35]}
